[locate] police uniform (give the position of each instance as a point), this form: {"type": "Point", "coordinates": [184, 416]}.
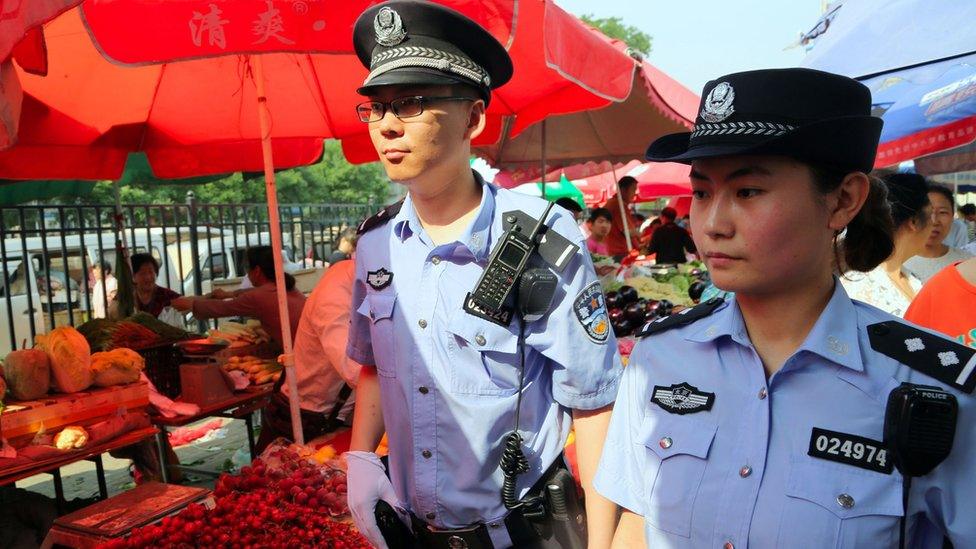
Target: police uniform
{"type": "Point", "coordinates": [449, 378]}
{"type": "Point", "coordinates": [712, 454]}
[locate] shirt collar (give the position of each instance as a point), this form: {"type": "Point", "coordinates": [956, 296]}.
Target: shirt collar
{"type": "Point", "coordinates": [834, 336]}
{"type": "Point", "coordinates": [475, 237]}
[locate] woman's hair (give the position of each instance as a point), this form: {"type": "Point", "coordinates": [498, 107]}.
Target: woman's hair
{"type": "Point", "coordinates": [943, 190]}
{"type": "Point", "coordinates": [106, 267]}
{"type": "Point", "coordinates": [138, 260]}
{"type": "Point", "coordinates": [869, 238]}
{"type": "Point", "coordinates": [908, 194]}
{"type": "Point", "coordinates": [597, 213]}
{"type": "Point", "coordinates": [262, 257]}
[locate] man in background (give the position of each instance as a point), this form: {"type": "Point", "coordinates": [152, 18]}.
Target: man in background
{"type": "Point", "coordinates": [669, 241]}
{"type": "Point", "coordinates": [347, 244]}
{"type": "Point", "coordinates": [616, 241]}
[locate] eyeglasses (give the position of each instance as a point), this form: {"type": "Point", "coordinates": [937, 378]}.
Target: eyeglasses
{"type": "Point", "coordinates": [403, 107]}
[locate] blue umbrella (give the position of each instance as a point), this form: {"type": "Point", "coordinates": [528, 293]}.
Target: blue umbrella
{"type": "Point", "coordinates": [918, 57]}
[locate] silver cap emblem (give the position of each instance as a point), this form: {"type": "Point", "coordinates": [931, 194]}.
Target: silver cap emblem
{"type": "Point", "coordinates": [718, 104]}
{"type": "Point", "coordinates": [388, 27]}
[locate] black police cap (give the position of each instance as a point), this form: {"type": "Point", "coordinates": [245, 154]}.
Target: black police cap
{"type": "Point", "coordinates": [810, 115]}
{"type": "Point", "coordinates": [413, 42]}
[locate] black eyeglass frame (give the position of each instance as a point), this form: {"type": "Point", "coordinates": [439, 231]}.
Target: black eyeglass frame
{"type": "Point", "coordinates": [392, 105]}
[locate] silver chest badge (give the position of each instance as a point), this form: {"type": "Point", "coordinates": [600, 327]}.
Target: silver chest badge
{"type": "Point", "coordinates": [718, 104]}
{"type": "Point", "coordinates": [388, 27]}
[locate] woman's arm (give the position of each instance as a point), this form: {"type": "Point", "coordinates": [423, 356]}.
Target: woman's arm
{"type": "Point", "coordinates": [630, 532]}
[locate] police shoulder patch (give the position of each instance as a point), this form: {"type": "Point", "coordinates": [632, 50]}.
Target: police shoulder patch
{"type": "Point", "coordinates": [681, 318]}
{"type": "Point", "coordinates": [590, 308]}
{"type": "Point", "coordinates": [380, 217]}
{"type": "Point", "coordinates": [935, 356]}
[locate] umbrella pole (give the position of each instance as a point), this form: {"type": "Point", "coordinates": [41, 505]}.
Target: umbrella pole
{"type": "Point", "coordinates": [623, 212]}
{"type": "Point", "coordinates": [264, 117]}
{"type": "Point", "coordinates": [543, 159]}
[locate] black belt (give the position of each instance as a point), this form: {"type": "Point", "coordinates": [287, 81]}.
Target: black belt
{"type": "Point", "coordinates": [525, 523]}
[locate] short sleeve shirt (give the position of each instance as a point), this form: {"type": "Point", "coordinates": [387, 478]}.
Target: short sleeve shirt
{"type": "Point", "coordinates": [449, 379]}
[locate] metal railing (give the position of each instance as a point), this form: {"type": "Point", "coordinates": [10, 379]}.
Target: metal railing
{"type": "Point", "coordinates": [46, 252]}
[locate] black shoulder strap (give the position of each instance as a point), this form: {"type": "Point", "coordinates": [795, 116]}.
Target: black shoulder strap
{"type": "Point", "coordinates": [935, 356]}
{"type": "Point", "coordinates": [380, 217]}
{"type": "Point", "coordinates": [341, 399]}
{"type": "Point", "coordinates": [686, 316]}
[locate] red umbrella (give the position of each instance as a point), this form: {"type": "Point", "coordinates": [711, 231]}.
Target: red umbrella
{"type": "Point", "coordinates": [654, 180]}
{"type": "Point", "coordinates": [189, 91]}
{"type": "Point", "coordinates": [21, 38]}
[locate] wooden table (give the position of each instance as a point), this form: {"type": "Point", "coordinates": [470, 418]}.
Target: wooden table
{"type": "Point", "coordinates": [92, 453]}
{"type": "Point", "coordinates": [241, 405]}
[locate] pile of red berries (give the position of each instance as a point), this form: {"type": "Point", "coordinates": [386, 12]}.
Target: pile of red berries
{"type": "Point", "coordinates": [290, 505]}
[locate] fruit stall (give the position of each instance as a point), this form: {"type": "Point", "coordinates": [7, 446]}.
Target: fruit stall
{"type": "Point", "coordinates": [638, 291]}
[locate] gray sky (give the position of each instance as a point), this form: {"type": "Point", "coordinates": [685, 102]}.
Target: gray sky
{"type": "Point", "coordinates": [697, 40]}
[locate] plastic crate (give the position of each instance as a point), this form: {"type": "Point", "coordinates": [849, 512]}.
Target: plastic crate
{"type": "Point", "coordinates": [163, 368]}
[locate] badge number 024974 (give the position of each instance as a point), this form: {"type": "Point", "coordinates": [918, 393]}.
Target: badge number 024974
{"type": "Point", "coordinates": [850, 449]}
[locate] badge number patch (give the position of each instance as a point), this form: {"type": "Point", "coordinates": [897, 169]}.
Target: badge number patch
{"type": "Point", "coordinates": [380, 279]}
{"type": "Point", "coordinates": [590, 308]}
{"type": "Point", "coordinates": [850, 449]}
{"type": "Point", "coordinates": [682, 399]}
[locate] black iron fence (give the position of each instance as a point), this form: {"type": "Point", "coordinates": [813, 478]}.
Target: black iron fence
{"type": "Point", "coordinates": [47, 252]}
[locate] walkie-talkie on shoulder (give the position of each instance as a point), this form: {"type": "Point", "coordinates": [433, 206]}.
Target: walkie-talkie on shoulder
{"type": "Point", "coordinates": [506, 265]}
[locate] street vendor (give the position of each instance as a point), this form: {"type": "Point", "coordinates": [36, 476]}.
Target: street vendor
{"type": "Point", "coordinates": [763, 421]}
{"type": "Point", "coordinates": [260, 302]}
{"type": "Point", "coordinates": [325, 376]}
{"type": "Point", "coordinates": [440, 376]}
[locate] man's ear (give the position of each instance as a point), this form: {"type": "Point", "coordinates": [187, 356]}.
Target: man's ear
{"type": "Point", "coordinates": [477, 119]}
{"type": "Point", "coordinates": [846, 200]}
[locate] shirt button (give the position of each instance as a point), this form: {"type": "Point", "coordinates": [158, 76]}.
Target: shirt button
{"type": "Point", "coordinates": [422, 323]}
{"type": "Point", "coordinates": [479, 339]}
{"type": "Point", "coordinates": [435, 260]}
{"type": "Point", "coordinates": [430, 516]}
{"type": "Point", "coordinates": [426, 454]}
{"type": "Point", "coordinates": [666, 442]}
{"type": "Point", "coordinates": [493, 525]}
{"type": "Point", "coordinates": [845, 501]}
{"type": "Point", "coordinates": [423, 390]}
{"type": "Point", "coordinates": [762, 393]}
{"type": "Point", "coordinates": [745, 471]}
{"type": "Point", "coordinates": [728, 545]}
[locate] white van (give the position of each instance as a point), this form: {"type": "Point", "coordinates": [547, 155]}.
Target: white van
{"type": "Point", "coordinates": [46, 283]}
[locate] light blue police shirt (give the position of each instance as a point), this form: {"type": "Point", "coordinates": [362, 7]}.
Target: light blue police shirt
{"type": "Point", "coordinates": [740, 475]}
{"type": "Point", "coordinates": [448, 379]}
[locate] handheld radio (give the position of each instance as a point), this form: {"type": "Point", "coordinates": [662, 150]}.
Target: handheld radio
{"type": "Point", "coordinates": [506, 265]}
{"type": "Point", "coordinates": [919, 427]}
{"type": "Point", "coordinates": [920, 424]}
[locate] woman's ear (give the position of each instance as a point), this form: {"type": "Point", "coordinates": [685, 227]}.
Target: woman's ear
{"type": "Point", "coordinates": [846, 200]}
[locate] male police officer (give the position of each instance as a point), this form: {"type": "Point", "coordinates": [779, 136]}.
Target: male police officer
{"type": "Point", "coordinates": [443, 379]}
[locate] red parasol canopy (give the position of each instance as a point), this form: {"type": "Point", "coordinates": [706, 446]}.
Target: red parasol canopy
{"type": "Point", "coordinates": [194, 116]}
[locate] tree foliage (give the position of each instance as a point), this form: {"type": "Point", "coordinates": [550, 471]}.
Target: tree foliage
{"type": "Point", "coordinates": [332, 180]}
{"type": "Point", "coordinates": [614, 27]}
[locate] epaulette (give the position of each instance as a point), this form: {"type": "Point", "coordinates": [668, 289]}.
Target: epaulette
{"type": "Point", "coordinates": [380, 217]}
{"type": "Point", "coordinates": [935, 356]}
{"type": "Point", "coordinates": [685, 316]}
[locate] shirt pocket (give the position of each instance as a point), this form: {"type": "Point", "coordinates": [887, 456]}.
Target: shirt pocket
{"type": "Point", "coordinates": [676, 453]}
{"type": "Point", "coordinates": [483, 357]}
{"type": "Point", "coordinates": [379, 308]}
{"type": "Point", "coordinates": [840, 506]}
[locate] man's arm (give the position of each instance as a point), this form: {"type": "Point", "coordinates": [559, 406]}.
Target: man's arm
{"type": "Point", "coordinates": [689, 242]}
{"type": "Point", "coordinates": [601, 513]}
{"type": "Point", "coordinates": [367, 420]}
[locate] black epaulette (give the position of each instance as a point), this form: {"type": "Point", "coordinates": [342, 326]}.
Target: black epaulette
{"type": "Point", "coordinates": [380, 217]}
{"type": "Point", "coordinates": [686, 316]}
{"type": "Point", "coordinates": [935, 356]}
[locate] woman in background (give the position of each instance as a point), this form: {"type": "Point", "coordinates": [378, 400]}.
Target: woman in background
{"type": "Point", "coordinates": [937, 254]}
{"type": "Point", "coordinates": [890, 287]}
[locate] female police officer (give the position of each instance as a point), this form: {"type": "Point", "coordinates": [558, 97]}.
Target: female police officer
{"type": "Point", "coordinates": [443, 377]}
{"type": "Point", "coordinates": [758, 422]}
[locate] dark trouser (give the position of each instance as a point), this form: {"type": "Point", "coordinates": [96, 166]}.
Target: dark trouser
{"type": "Point", "coordinates": [529, 526]}
{"type": "Point", "coordinates": [276, 422]}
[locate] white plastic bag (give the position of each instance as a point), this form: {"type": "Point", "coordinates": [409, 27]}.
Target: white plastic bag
{"type": "Point", "coordinates": [173, 317]}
